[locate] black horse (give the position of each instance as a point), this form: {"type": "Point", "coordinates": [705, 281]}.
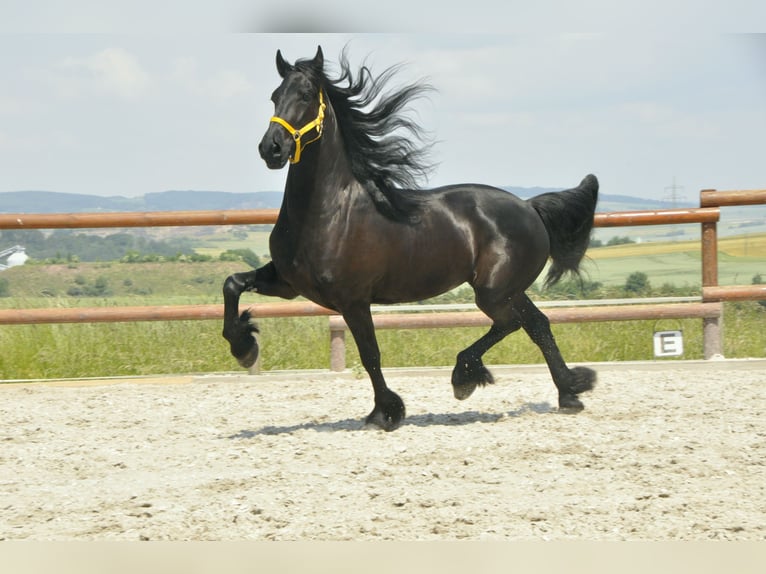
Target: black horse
{"type": "Point", "coordinates": [353, 230]}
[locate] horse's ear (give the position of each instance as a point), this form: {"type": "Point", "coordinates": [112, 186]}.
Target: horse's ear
{"type": "Point", "coordinates": [319, 59]}
{"type": "Point", "coordinates": [282, 66]}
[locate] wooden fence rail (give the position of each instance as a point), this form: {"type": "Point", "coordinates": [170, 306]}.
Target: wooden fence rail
{"type": "Point", "coordinates": [715, 198]}
{"type": "Point", "coordinates": [136, 219]}
{"type": "Point", "coordinates": [98, 220]}
{"type": "Point", "coordinates": [709, 310]}
{"type": "Point", "coordinates": [152, 313]}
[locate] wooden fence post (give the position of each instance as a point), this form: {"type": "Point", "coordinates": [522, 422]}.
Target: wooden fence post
{"type": "Point", "coordinates": [711, 337]}
{"type": "Point", "coordinates": [711, 326]}
{"type": "Point", "coordinates": [337, 348]}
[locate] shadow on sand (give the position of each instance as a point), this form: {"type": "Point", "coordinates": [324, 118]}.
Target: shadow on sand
{"type": "Point", "coordinates": [425, 420]}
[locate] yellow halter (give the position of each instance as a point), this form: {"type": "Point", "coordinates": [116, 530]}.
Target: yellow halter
{"type": "Point", "coordinates": [297, 134]}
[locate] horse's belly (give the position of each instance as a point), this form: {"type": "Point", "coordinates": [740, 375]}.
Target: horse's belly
{"type": "Point", "coordinates": [408, 285]}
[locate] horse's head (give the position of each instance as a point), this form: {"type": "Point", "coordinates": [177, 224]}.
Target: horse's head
{"type": "Point", "coordinates": [298, 111]}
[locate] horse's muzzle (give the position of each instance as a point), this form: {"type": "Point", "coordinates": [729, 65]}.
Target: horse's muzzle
{"type": "Point", "coordinates": [273, 151]}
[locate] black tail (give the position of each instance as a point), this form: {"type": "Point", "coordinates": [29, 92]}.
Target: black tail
{"type": "Point", "coordinates": [568, 217]}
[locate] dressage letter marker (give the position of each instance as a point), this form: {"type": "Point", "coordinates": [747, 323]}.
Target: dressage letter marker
{"type": "Point", "coordinates": [668, 344]}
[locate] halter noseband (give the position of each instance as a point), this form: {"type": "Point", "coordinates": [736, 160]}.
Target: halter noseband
{"type": "Point", "coordinates": [297, 134]}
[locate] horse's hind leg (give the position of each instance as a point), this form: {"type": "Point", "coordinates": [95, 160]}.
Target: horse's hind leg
{"type": "Point", "coordinates": [469, 371]}
{"type": "Point", "coordinates": [569, 382]}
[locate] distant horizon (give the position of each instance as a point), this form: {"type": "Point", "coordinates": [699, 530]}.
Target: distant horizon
{"type": "Point", "coordinates": [520, 190]}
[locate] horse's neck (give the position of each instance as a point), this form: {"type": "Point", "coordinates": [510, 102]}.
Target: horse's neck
{"type": "Point", "coordinates": [322, 183]}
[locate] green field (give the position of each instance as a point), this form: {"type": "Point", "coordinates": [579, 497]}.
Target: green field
{"type": "Point", "coordinates": [678, 263]}
{"type": "Point", "coordinates": [127, 283]}
{"type": "Point", "coordinates": [97, 350]}
{"type": "Point", "coordinates": [257, 241]}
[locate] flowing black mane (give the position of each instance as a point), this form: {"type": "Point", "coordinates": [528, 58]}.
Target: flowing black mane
{"type": "Point", "coordinates": [387, 150]}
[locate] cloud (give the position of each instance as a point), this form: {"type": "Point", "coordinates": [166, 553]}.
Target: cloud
{"type": "Point", "coordinates": [112, 70]}
{"type": "Point", "coordinates": [221, 86]}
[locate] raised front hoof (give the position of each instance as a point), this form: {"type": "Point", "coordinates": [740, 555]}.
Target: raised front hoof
{"type": "Point", "coordinates": [387, 415]}
{"type": "Point", "coordinates": [249, 358]}
{"type": "Point", "coordinates": [244, 347]}
{"type": "Point", "coordinates": [582, 379]}
{"type": "Point", "coordinates": [466, 377]}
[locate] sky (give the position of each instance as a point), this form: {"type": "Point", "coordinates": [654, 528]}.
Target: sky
{"type": "Point", "coordinates": [112, 102]}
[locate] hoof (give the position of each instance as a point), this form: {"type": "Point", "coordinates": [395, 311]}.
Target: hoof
{"type": "Point", "coordinates": [462, 391]}
{"type": "Point", "coordinates": [250, 357]}
{"type": "Point", "coordinates": [582, 379]}
{"type": "Point", "coordinates": [466, 377]}
{"type": "Point", "coordinates": [388, 414]}
{"type": "Point", "coordinates": [244, 347]}
{"type": "Point", "coordinates": [570, 405]}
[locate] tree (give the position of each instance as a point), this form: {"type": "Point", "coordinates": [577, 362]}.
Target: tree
{"type": "Point", "coordinates": [637, 283]}
{"type": "Point", "coordinates": [624, 240]}
{"type": "Point", "coordinates": [101, 287]}
{"type": "Point", "coordinates": [246, 255]}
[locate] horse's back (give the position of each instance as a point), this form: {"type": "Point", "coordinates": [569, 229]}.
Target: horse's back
{"type": "Point", "coordinates": [496, 212]}
{"type": "Point", "coordinates": [510, 242]}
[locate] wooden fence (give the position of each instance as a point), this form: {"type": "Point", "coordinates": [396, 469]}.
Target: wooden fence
{"type": "Point", "coordinates": [709, 309]}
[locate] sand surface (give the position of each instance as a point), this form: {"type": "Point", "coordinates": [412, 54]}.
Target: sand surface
{"type": "Point", "coordinates": [663, 451]}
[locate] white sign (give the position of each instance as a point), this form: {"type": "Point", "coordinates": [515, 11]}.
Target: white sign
{"type": "Point", "coordinates": [668, 343]}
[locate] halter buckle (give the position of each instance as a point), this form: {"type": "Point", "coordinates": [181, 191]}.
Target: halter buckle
{"type": "Point", "coordinates": [317, 123]}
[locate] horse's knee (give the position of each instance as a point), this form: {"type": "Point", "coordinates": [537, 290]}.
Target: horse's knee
{"type": "Point", "coordinates": [232, 286]}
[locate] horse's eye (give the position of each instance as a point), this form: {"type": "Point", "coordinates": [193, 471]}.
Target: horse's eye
{"type": "Point", "coordinates": [306, 97]}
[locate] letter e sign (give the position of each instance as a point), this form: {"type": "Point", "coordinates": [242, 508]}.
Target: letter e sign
{"type": "Point", "coordinates": [668, 344]}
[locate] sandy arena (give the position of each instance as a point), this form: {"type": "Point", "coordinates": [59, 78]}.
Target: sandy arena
{"type": "Point", "coordinates": [663, 451]}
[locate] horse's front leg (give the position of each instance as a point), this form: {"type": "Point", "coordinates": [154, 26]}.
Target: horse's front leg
{"type": "Point", "coordinates": [238, 329]}
{"type": "Point", "coordinates": [389, 407]}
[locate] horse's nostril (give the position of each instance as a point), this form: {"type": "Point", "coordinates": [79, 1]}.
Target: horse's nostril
{"type": "Point", "coordinates": [270, 149]}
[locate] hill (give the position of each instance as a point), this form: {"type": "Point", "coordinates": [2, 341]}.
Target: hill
{"type": "Point", "coordinates": [55, 202]}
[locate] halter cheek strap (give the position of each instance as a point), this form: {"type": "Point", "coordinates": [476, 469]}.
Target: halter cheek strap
{"type": "Point", "coordinates": [298, 134]}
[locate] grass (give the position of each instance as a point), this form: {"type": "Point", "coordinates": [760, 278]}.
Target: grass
{"type": "Point", "coordinates": [94, 350]}
{"type": "Point", "coordinates": [150, 283]}
{"type": "Point", "coordinates": [121, 349]}
{"type": "Point", "coordinates": [257, 241]}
